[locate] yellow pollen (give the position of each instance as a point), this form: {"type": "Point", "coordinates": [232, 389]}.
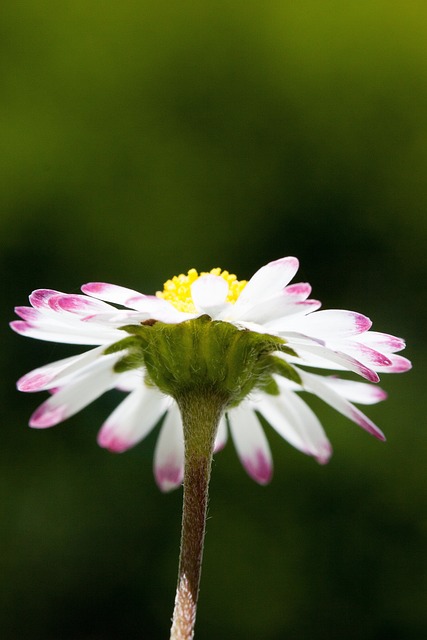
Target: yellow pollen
{"type": "Point", "coordinates": [177, 291]}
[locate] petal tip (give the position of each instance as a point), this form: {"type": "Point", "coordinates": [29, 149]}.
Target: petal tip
{"type": "Point", "coordinates": [107, 440]}
{"type": "Point", "coordinates": [94, 288]}
{"type": "Point", "coordinates": [300, 290]}
{"type": "Point", "coordinates": [19, 326]}
{"type": "Point", "coordinates": [219, 446]}
{"type": "Point", "coordinates": [368, 425]}
{"type": "Point", "coordinates": [259, 467]}
{"type": "Point", "coordinates": [32, 382]}
{"type": "Point", "coordinates": [400, 364]}
{"type": "Point", "coordinates": [289, 260]}
{"type": "Point", "coordinates": [380, 394]}
{"type": "Point", "coordinates": [27, 313]}
{"type": "Point", "coordinates": [168, 477]}
{"type": "Point", "coordinates": [323, 456]}
{"type": "Point", "coordinates": [369, 374]}
{"type": "Point", "coordinates": [362, 323]}
{"type": "Point", "coordinates": [40, 297]}
{"type": "Point", "coordinates": [46, 416]}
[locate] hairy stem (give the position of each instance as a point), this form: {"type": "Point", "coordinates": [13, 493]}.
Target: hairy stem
{"type": "Point", "coordinates": [201, 414]}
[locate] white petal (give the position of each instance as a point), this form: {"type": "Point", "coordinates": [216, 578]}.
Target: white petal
{"type": "Point", "coordinates": [275, 312]}
{"type": "Point", "coordinates": [30, 314]}
{"type": "Point", "coordinates": [381, 341]}
{"type": "Point", "coordinates": [221, 436]}
{"type": "Point", "coordinates": [39, 298]}
{"type": "Point", "coordinates": [209, 292]}
{"type": "Point", "coordinates": [152, 306]}
{"type": "Point", "coordinates": [296, 422]}
{"type": "Point", "coordinates": [301, 339]}
{"type": "Point", "coordinates": [399, 364]}
{"type": "Point", "coordinates": [77, 394]}
{"type": "Point", "coordinates": [159, 309]}
{"type": "Point", "coordinates": [251, 444]}
{"type": "Point", "coordinates": [52, 374]}
{"type": "Point", "coordinates": [318, 356]}
{"type": "Point", "coordinates": [115, 320]}
{"type": "Point", "coordinates": [316, 385]}
{"type": "Point", "coordinates": [81, 333]}
{"type": "Point", "coordinates": [78, 304]}
{"type": "Point", "coordinates": [331, 324]}
{"type": "Point", "coordinates": [298, 291]}
{"type": "Point", "coordinates": [130, 380]}
{"type": "Point", "coordinates": [110, 292]}
{"type": "Point", "coordinates": [361, 352]}
{"type": "Point", "coordinates": [133, 419]}
{"type": "Point", "coordinates": [169, 452]}
{"type": "Point", "coordinates": [268, 281]}
{"type": "Point", "coordinates": [360, 392]}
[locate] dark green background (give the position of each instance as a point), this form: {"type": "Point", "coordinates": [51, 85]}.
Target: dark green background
{"type": "Point", "coordinates": [139, 139]}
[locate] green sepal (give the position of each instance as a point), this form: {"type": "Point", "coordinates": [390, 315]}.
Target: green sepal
{"type": "Point", "coordinates": [201, 355]}
{"type": "Point", "coordinates": [283, 348]}
{"type": "Point", "coordinates": [284, 369]}
{"type": "Point", "coordinates": [133, 360]}
{"type": "Point", "coordinates": [204, 356]}
{"type": "Point", "coordinates": [121, 345]}
{"type": "Point", "coordinates": [270, 386]}
{"type": "Point", "coordinates": [134, 357]}
{"type": "Point", "coordinates": [136, 329]}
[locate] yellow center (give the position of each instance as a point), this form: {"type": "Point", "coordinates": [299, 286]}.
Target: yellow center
{"type": "Point", "coordinates": [177, 291]}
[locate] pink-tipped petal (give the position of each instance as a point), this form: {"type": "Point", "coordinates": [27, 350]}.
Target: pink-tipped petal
{"type": "Point", "coordinates": [383, 342]}
{"type": "Point", "coordinates": [331, 324]}
{"type": "Point", "coordinates": [298, 291]}
{"type": "Point", "coordinates": [33, 381]}
{"type": "Point", "coordinates": [363, 421]}
{"type": "Point", "coordinates": [359, 392]}
{"type": "Point", "coordinates": [169, 452]}
{"type": "Point", "coordinates": [324, 456]}
{"type": "Point", "coordinates": [399, 364]}
{"type": "Point", "coordinates": [363, 353]}
{"type": "Point", "coordinates": [268, 281]}
{"type": "Point", "coordinates": [78, 333]}
{"type": "Point", "coordinates": [251, 444]}
{"type": "Point", "coordinates": [132, 419]}
{"type": "Point", "coordinates": [293, 419]}
{"type": "Point", "coordinates": [258, 466]}
{"type": "Point", "coordinates": [29, 314]}
{"type": "Point", "coordinates": [169, 476]}
{"type": "Point", "coordinates": [275, 313]}
{"type": "Point", "coordinates": [40, 297]}
{"type": "Point", "coordinates": [112, 442]}
{"type": "Point", "coordinates": [20, 326]}
{"type": "Point", "coordinates": [318, 356]}
{"type": "Point", "coordinates": [48, 416]}
{"type": "Point", "coordinates": [110, 292]}
{"type": "Point", "coordinates": [315, 384]}
{"type": "Point", "coordinates": [77, 394]}
{"type": "Point", "coordinates": [59, 372]}
{"type": "Point", "coordinates": [279, 322]}
{"type": "Point", "coordinates": [79, 305]}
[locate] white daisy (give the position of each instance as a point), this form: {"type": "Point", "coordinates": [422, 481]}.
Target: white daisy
{"type": "Point", "coordinates": [334, 339]}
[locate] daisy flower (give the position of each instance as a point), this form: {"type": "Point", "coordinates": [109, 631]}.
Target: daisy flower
{"type": "Point", "coordinates": [206, 356]}
{"type": "Point", "coordinates": [109, 319]}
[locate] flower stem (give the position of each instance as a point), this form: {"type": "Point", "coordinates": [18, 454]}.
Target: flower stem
{"type": "Point", "coordinates": [201, 413]}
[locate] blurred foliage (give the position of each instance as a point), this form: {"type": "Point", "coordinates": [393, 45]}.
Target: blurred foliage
{"type": "Point", "coordinates": [140, 139]}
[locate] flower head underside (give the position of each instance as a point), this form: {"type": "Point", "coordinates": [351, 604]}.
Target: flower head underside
{"type": "Point", "coordinates": [267, 335]}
